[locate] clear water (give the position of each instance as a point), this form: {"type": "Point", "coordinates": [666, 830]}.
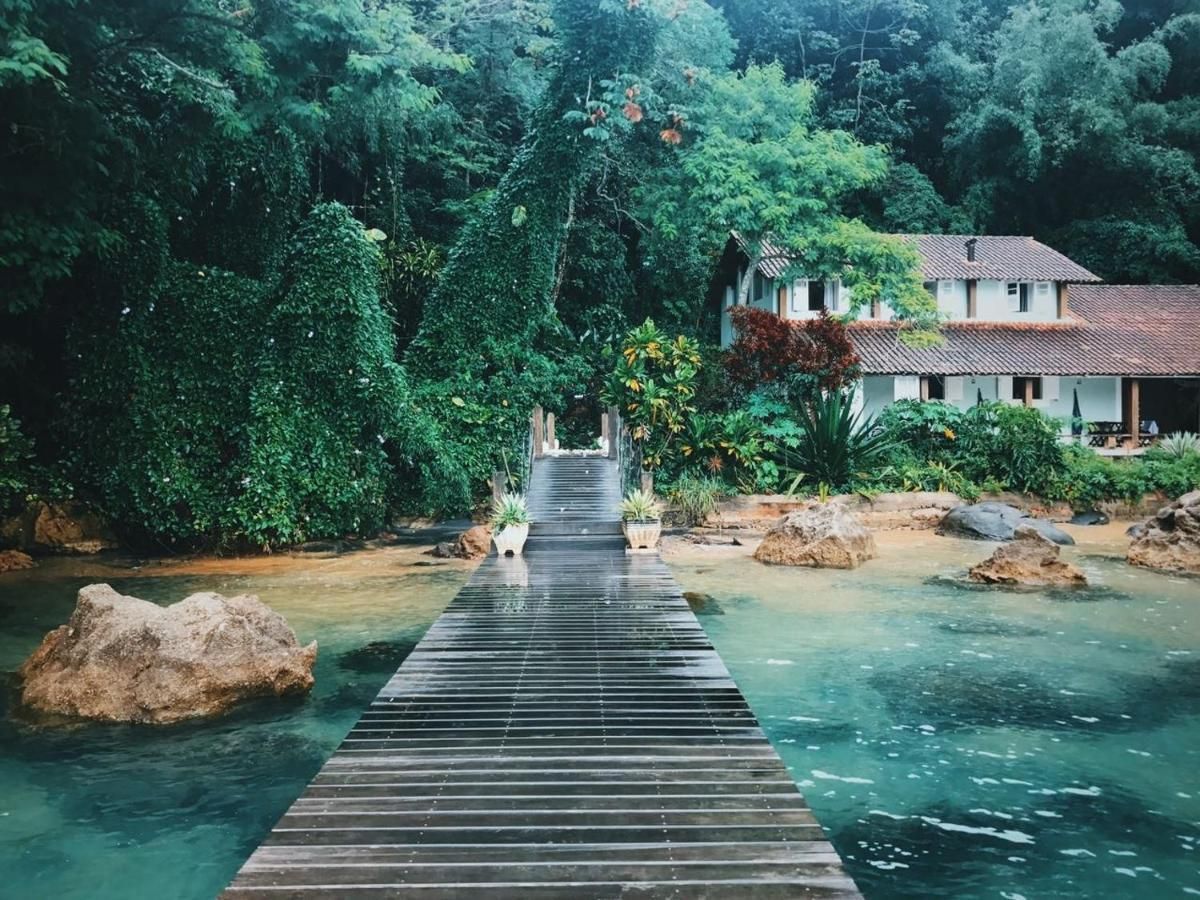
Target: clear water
{"type": "Point", "coordinates": [103, 811]}
{"type": "Point", "coordinates": [977, 743]}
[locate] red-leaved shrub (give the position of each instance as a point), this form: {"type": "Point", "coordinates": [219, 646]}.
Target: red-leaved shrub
{"type": "Point", "coordinates": [767, 349]}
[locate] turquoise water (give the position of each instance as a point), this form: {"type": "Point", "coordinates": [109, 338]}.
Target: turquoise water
{"type": "Point", "coordinates": [104, 811]}
{"type": "Point", "coordinates": [977, 743]}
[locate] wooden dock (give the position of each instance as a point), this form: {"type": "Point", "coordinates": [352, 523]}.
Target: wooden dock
{"type": "Point", "coordinates": [565, 729]}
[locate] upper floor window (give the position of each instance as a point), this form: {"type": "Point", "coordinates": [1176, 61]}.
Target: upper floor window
{"type": "Point", "coordinates": [816, 296]}
{"type": "Point", "coordinates": [1018, 296]}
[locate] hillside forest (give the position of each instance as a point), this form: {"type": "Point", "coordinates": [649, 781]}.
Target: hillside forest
{"type": "Point", "coordinates": [274, 270]}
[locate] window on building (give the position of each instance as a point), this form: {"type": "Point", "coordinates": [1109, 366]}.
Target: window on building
{"type": "Point", "coordinates": [932, 287]}
{"type": "Point", "coordinates": [833, 290]}
{"type": "Point", "coordinates": [945, 288]}
{"type": "Point", "coordinates": [816, 296]}
{"type": "Point", "coordinates": [937, 387]}
{"type": "Point", "coordinates": [1018, 296]}
{"type": "Point", "coordinates": [760, 286]}
{"type": "Point", "coordinates": [1018, 388]}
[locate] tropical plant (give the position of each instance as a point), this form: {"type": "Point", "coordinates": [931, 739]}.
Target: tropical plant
{"type": "Point", "coordinates": [16, 450]}
{"type": "Point", "coordinates": [653, 384]}
{"type": "Point", "coordinates": [696, 497]}
{"type": "Point", "coordinates": [836, 444]}
{"type": "Point", "coordinates": [509, 509]}
{"type": "Point", "coordinates": [802, 357]}
{"type": "Point", "coordinates": [1179, 444]}
{"type": "Point", "coordinates": [640, 506]}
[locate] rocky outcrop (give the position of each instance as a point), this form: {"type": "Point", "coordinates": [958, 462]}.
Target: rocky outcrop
{"type": "Point", "coordinates": [57, 528]}
{"type": "Point", "coordinates": [474, 543]}
{"type": "Point", "coordinates": [122, 659]}
{"type": "Point", "coordinates": [1030, 560]}
{"type": "Point", "coordinates": [15, 560]}
{"type": "Point", "coordinates": [1170, 540]}
{"type": "Point", "coordinates": [822, 535]}
{"type": "Point", "coordinates": [996, 522]}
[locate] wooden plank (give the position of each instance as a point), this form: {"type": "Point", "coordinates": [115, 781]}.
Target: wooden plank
{"type": "Point", "coordinates": [564, 729]}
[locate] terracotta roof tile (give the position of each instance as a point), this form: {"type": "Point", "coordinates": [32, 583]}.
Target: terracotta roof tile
{"type": "Point", "coordinates": [999, 257]}
{"type": "Point", "coordinates": [1113, 330]}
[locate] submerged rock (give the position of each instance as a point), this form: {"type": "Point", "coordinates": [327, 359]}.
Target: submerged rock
{"type": "Point", "coordinates": [1089, 517]}
{"type": "Point", "coordinates": [821, 535]}
{"type": "Point", "coordinates": [122, 659]}
{"type": "Point", "coordinates": [1170, 540]}
{"type": "Point", "coordinates": [996, 522]}
{"type": "Point", "coordinates": [14, 560]}
{"type": "Point", "coordinates": [1029, 559]}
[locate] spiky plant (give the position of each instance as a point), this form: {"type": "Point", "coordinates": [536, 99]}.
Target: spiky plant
{"type": "Point", "coordinates": [1180, 444]}
{"type": "Point", "coordinates": [510, 509]}
{"type": "Point", "coordinates": [835, 443]}
{"type": "Point", "coordinates": [639, 506]}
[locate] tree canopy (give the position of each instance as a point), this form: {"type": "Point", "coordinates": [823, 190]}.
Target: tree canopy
{"type": "Point", "coordinates": [509, 186]}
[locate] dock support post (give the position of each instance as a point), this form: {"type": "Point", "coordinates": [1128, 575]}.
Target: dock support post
{"type": "Point", "coordinates": [551, 440]}
{"type": "Point", "coordinates": [614, 431]}
{"type": "Point", "coordinates": [647, 481]}
{"type": "Point", "coordinates": [539, 433]}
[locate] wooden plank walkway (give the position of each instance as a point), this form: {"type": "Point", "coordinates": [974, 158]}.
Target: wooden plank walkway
{"type": "Point", "coordinates": [565, 729]}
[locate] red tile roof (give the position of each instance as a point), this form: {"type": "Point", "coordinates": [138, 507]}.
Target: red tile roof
{"type": "Point", "coordinates": [999, 257]}
{"type": "Point", "coordinates": [1112, 330]}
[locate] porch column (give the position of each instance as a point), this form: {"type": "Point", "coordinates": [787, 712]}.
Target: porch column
{"type": "Point", "coordinates": [972, 298]}
{"type": "Point", "coordinates": [614, 431]}
{"type": "Point", "coordinates": [1028, 390]}
{"type": "Point", "coordinates": [1133, 412]}
{"type": "Point", "coordinates": [781, 301]}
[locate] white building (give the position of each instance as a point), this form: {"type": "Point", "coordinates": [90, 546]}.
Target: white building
{"type": "Point", "coordinates": [1023, 324]}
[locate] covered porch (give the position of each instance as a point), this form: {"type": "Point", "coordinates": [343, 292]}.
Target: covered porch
{"type": "Point", "coordinates": [1115, 415]}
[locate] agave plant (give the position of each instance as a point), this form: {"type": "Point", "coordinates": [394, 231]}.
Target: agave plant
{"type": "Point", "coordinates": [639, 506]}
{"type": "Point", "coordinates": [835, 443]}
{"type": "Point", "coordinates": [1180, 444]}
{"type": "Point", "coordinates": [509, 509]}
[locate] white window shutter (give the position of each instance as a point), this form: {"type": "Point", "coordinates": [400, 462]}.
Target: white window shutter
{"type": "Point", "coordinates": [954, 387]}
{"type": "Point", "coordinates": [799, 290]}
{"type": "Point", "coordinates": [1004, 388]}
{"type": "Point", "coordinates": [906, 387]}
{"type": "Point", "coordinates": [1050, 387]}
{"type": "Point", "coordinates": [1014, 299]}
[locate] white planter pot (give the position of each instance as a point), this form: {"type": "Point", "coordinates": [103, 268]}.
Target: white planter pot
{"type": "Point", "coordinates": [511, 539]}
{"type": "Point", "coordinates": [642, 535]}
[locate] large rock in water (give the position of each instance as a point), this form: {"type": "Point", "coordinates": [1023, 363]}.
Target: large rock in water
{"type": "Point", "coordinates": [474, 543]}
{"type": "Point", "coordinates": [123, 659]}
{"type": "Point", "coordinates": [822, 535]}
{"type": "Point", "coordinates": [1029, 559]}
{"type": "Point", "coordinates": [996, 522]}
{"type": "Point", "coordinates": [15, 560]}
{"type": "Point", "coordinates": [1170, 540]}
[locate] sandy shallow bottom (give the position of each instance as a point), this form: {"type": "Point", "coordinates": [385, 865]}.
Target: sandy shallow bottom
{"type": "Point", "coordinates": [975, 742]}
{"type": "Point", "coordinates": [956, 742]}
{"type": "Point", "coordinates": [109, 811]}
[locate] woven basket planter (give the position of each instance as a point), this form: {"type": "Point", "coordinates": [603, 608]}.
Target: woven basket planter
{"type": "Point", "coordinates": [643, 534]}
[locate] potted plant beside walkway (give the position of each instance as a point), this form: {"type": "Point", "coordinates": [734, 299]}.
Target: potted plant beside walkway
{"type": "Point", "coordinates": [641, 520]}
{"type": "Point", "coordinates": [510, 524]}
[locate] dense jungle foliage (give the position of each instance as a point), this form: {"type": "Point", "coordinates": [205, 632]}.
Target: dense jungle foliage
{"type": "Point", "coordinates": [273, 269]}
